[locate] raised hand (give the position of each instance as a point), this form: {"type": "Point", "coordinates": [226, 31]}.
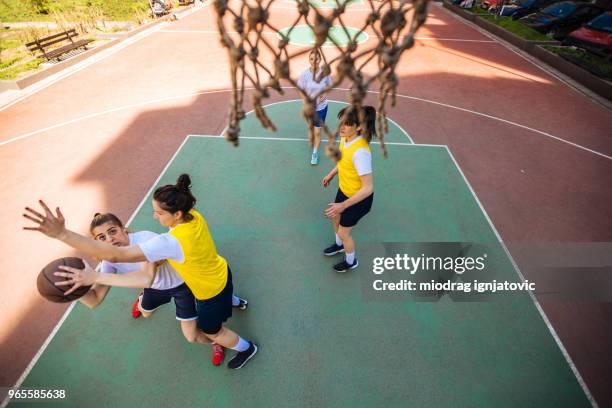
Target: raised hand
{"type": "Point", "coordinates": [49, 224]}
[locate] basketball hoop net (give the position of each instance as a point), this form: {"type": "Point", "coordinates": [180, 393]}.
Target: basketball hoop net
{"type": "Point", "coordinates": [241, 26]}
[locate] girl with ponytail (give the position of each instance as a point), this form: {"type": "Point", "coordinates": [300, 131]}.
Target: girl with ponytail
{"type": "Point", "coordinates": [187, 246]}
{"type": "Point", "coordinates": [355, 194]}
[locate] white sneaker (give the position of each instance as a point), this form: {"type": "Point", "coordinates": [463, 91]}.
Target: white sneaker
{"type": "Point", "coordinates": [314, 159]}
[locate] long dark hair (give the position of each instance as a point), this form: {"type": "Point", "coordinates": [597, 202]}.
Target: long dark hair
{"type": "Point", "coordinates": [350, 116]}
{"type": "Point", "coordinates": [176, 197]}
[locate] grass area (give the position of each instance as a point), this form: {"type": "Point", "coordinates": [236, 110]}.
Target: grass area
{"type": "Point", "coordinates": [46, 10]}
{"type": "Point", "coordinates": [88, 17]}
{"type": "Point", "coordinates": [476, 10]}
{"type": "Point", "coordinates": [5, 63]}
{"type": "Point", "coordinates": [592, 63]}
{"type": "Point", "coordinates": [11, 49]}
{"type": "Point", "coordinates": [517, 28]}
{"type": "Point", "coordinates": [16, 60]}
{"type": "Point", "coordinates": [14, 71]}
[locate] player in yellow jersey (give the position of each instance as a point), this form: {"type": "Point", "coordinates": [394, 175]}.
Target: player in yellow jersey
{"type": "Point", "coordinates": [187, 246]}
{"type": "Point", "coordinates": [356, 185]}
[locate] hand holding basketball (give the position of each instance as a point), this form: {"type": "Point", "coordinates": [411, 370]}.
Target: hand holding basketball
{"type": "Point", "coordinates": [77, 277]}
{"type": "Point", "coordinates": [47, 281]}
{"type": "Point", "coordinates": [51, 225]}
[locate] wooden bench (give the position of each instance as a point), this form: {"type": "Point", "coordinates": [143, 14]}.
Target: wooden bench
{"type": "Point", "coordinates": [44, 44]}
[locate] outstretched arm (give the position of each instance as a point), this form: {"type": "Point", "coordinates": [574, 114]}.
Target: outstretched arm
{"type": "Point", "coordinates": [54, 226]}
{"type": "Point", "coordinates": [88, 276]}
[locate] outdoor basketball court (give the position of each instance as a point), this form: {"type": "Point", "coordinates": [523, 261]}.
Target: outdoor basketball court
{"type": "Point", "coordinates": [322, 342]}
{"type": "Point", "coordinates": [98, 136]}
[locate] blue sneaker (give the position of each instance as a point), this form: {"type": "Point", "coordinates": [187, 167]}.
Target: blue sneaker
{"type": "Point", "coordinates": [314, 159]}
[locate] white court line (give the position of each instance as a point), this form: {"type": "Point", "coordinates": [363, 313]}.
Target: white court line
{"type": "Point", "coordinates": [39, 353]}
{"type": "Point", "coordinates": [583, 91]}
{"type": "Point", "coordinates": [551, 329]}
{"type": "Point", "coordinates": [297, 139]}
{"type": "Point", "coordinates": [538, 307]}
{"type": "Point", "coordinates": [67, 312]}
{"type": "Point", "coordinates": [93, 115]}
{"type": "Point", "coordinates": [605, 156]}
{"type": "Point", "coordinates": [329, 100]}
{"type": "Point", "coordinates": [368, 34]}
{"type": "Point", "coordinates": [45, 83]}
{"type": "Point", "coordinates": [26, 135]}
{"type": "Point", "coordinates": [553, 332]}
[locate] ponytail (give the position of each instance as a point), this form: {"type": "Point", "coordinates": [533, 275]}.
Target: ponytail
{"type": "Point", "coordinates": [176, 197]}
{"type": "Point", "coordinates": [369, 128]}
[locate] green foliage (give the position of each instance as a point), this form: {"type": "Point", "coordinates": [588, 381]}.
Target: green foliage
{"type": "Point", "coordinates": [44, 10]}
{"type": "Point", "coordinates": [517, 28]}
{"type": "Point", "coordinates": [8, 62]}
{"type": "Point", "coordinates": [592, 63]}
{"type": "Point", "coordinates": [13, 72]}
{"type": "Point", "coordinates": [41, 6]}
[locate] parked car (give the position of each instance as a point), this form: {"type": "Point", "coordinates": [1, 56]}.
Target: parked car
{"type": "Point", "coordinates": [519, 8]}
{"type": "Point", "coordinates": [595, 36]}
{"type": "Point", "coordinates": [559, 19]}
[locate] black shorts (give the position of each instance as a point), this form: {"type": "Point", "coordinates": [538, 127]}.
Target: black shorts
{"type": "Point", "coordinates": [183, 300]}
{"type": "Point", "coordinates": [216, 310]}
{"type": "Point", "coordinates": [355, 212]}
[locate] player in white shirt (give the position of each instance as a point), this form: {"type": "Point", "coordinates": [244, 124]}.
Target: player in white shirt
{"type": "Point", "coordinates": [311, 87]}
{"type": "Point", "coordinates": [161, 284]}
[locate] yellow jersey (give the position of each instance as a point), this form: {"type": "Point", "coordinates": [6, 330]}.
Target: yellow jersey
{"type": "Point", "coordinates": [349, 179]}
{"type": "Point", "coordinates": [204, 271]}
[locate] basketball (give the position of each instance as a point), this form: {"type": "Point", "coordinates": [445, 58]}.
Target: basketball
{"type": "Point", "coordinates": [46, 281]}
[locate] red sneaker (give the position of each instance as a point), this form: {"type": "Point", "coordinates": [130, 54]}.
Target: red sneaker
{"type": "Point", "coordinates": [218, 354]}
{"type": "Point", "coordinates": [135, 312]}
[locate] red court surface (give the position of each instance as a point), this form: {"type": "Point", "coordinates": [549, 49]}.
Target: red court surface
{"type": "Point", "coordinates": [537, 152]}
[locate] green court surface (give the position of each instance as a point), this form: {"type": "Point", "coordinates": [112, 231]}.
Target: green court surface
{"type": "Point", "coordinates": [323, 343]}
{"type": "Point", "coordinates": [303, 35]}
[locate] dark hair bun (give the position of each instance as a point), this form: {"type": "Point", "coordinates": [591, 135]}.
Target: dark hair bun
{"type": "Point", "coordinates": [176, 197]}
{"type": "Point", "coordinates": [183, 183]}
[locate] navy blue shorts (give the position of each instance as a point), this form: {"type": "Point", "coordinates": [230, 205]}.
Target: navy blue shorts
{"type": "Point", "coordinates": [319, 118]}
{"type": "Point", "coordinates": [216, 310]}
{"type": "Point", "coordinates": [351, 216]}
{"type": "Point", "coordinates": [183, 300]}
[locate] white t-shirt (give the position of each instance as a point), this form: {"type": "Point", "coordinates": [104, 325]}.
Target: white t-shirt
{"type": "Point", "coordinates": [165, 278]}
{"type": "Point", "coordinates": [362, 159]}
{"type": "Point", "coordinates": [162, 246]}
{"type": "Point", "coordinates": [307, 83]}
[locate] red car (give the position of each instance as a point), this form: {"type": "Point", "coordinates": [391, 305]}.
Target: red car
{"type": "Point", "coordinates": [595, 36]}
